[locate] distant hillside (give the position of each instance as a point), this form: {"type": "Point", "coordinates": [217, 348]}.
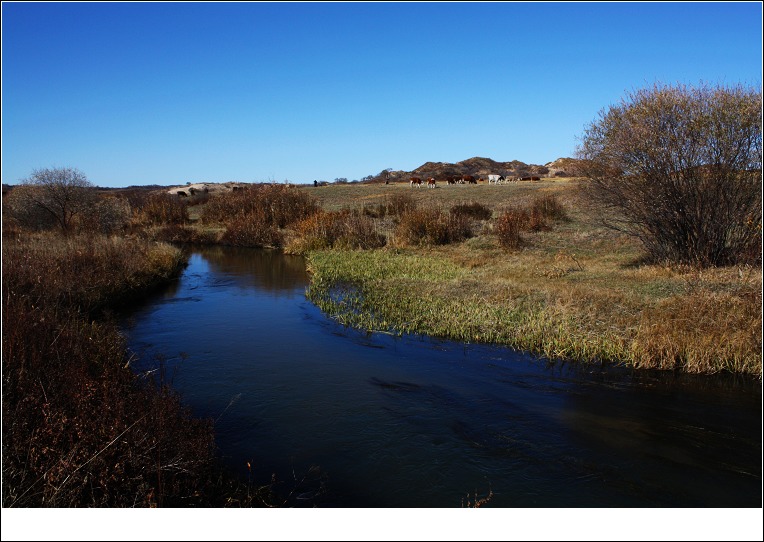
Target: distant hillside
{"type": "Point", "coordinates": [482, 167]}
{"type": "Point", "coordinates": [564, 167]}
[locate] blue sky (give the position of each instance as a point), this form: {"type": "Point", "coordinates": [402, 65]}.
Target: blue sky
{"type": "Point", "coordinates": [169, 93]}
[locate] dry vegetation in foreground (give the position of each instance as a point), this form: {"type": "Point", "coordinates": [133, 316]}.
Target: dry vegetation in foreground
{"type": "Point", "coordinates": [80, 429]}
{"type": "Point", "coordinates": [541, 275]}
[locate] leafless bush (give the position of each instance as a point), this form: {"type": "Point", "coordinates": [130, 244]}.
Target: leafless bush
{"type": "Point", "coordinates": [508, 227]}
{"type": "Point", "coordinates": [177, 233]}
{"type": "Point", "coordinates": [20, 209]}
{"type": "Point", "coordinates": [52, 196]}
{"type": "Point", "coordinates": [548, 206]}
{"type": "Point", "coordinates": [276, 204]}
{"type": "Point", "coordinates": [78, 428]}
{"type": "Point", "coordinates": [108, 215]}
{"type": "Point", "coordinates": [341, 229]}
{"type": "Point", "coordinates": [680, 169]}
{"type": "Point", "coordinates": [251, 230]}
{"type": "Point", "coordinates": [473, 210]}
{"type": "Point", "coordinates": [160, 208]}
{"type": "Point", "coordinates": [428, 226]}
{"type": "Point", "coordinates": [398, 204]}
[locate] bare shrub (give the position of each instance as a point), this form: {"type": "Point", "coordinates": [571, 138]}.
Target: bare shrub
{"type": "Point", "coordinates": [276, 204]}
{"type": "Point", "coordinates": [108, 215]}
{"type": "Point", "coordinates": [53, 196]}
{"type": "Point", "coordinates": [160, 208]}
{"type": "Point", "coordinates": [679, 168]}
{"type": "Point", "coordinates": [19, 207]}
{"type": "Point", "coordinates": [474, 210]}
{"type": "Point", "coordinates": [432, 227]}
{"type": "Point", "coordinates": [199, 197]}
{"type": "Point", "coordinates": [536, 220]}
{"type": "Point", "coordinates": [341, 229]}
{"type": "Point", "coordinates": [508, 227]}
{"type": "Point", "coordinates": [85, 271]}
{"type": "Point", "coordinates": [400, 203]}
{"type": "Point", "coordinates": [79, 429]}
{"type": "Point", "coordinates": [549, 206]}
{"type": "Point", "coordinates": [251, 230]}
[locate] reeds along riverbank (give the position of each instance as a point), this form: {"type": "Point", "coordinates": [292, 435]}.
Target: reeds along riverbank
{"type": "Point", "coordinates": [560, 305]}
{"type": "Point", "coordinates": [79, 428]}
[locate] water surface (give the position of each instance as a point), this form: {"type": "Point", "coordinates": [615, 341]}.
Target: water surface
{"type": "Point", "coordinates": [415, 422]}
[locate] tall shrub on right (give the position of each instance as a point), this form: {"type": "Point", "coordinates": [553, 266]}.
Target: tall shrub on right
{"type": "Point", "coordinates": [680, 167]}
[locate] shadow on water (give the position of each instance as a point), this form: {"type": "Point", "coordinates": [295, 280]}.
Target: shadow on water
{"type": "Point", "coordinates": [417, 422]}
{"type": "Point", "coordinates": [269, 270]}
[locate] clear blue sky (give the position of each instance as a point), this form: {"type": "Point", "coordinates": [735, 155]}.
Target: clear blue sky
{"type": "Point", "coordinates": [167, 93]}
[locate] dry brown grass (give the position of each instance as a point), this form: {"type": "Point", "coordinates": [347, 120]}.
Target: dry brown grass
{"type": "Point", "coordinates": [429, 226]}
{"type": "Point", "coordinates": [79, 428]}
{"type": "Point", "coordinates": [273, 204]}
{"type": "Point", "coordinates": [336, 197]}
{"type": "Point", "coordinates": [575, 291]}
{"type": "Point", "coordinates": [253, 229]}
{"type": "Point", "coordinates": [86, 271]}
{"type": "Point", "coordinates": [335, 229]}
{"type": "Point", "coordinates": [158, 208]}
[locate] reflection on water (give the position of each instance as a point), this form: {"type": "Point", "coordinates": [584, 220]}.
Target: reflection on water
{"type": "Point", "coordinates": [264, 269]}
{"type": "Point", "coordinates": [413, 422]}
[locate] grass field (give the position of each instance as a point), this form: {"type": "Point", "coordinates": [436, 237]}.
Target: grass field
{"type": "Point", "coordinates": [576, 291]}
{"type": "Point", "coordinates": [338, 196]}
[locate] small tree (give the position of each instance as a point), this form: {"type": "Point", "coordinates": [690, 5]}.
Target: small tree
{"type": "Point", "coordinates": [681, 169]}
{"type": "Point", "coordinates": [58, 193]}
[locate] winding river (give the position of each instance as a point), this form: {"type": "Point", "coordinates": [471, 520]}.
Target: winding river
{"type": "Point", "coordinates": [348, 419]}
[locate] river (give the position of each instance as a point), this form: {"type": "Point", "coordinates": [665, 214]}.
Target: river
{"type": "Point", "coordinates": [343, 418]}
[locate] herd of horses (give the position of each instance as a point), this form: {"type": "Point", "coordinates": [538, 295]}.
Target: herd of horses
{"type": "Point", "coordinates": [468, 179]}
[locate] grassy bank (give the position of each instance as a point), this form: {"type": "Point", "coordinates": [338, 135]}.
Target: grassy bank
{"type": "Point", "coordinates": [573, 290]}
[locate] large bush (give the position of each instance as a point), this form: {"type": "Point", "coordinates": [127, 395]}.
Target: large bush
{"type": "Point", "coordinates": [680, 168]}
{"type": "Point", "coordinates": [52, 197]}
